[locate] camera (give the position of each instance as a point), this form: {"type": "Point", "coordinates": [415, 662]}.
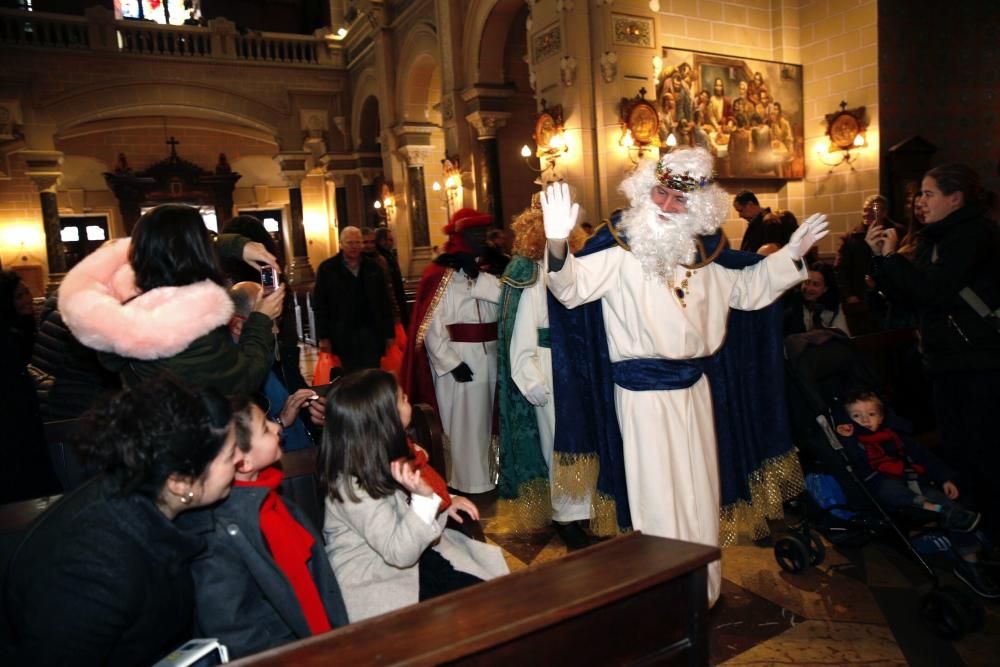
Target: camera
{"type": "Point", "coordinates": [268, 279]}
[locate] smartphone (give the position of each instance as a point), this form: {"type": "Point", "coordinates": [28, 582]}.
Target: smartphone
{"type": "Point", "coordinates": [268, 279]}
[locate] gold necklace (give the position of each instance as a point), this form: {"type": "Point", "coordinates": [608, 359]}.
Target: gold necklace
{"type": "Point", "coordinates": [680, 291]}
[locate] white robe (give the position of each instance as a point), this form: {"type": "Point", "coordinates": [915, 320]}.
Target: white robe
{"type": "Point", "coordinates": [531, 365]}
{"type": "Point", "coordinates": [671, 462]}
{"type": "Point", "coordinates": [466, 407]}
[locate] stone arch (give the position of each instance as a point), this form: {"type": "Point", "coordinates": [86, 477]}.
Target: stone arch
{"type": "Point", "coordinates": [126, 99]}
{"type": "Point", "coordinates": [365, 91]}
{"type": "Point", "coordinates": [418, 85]}
{"type": "Point", "coordinates": [489, 22]}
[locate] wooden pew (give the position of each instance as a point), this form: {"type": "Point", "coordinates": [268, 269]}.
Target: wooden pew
{"type": "Point", "coordinates": [631, 600]}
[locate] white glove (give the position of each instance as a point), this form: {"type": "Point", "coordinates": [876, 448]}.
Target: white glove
{"type": "Point", "coordinates": [806, 236]}
{"type": "Point", "coordinates": [537, 394]}
{"type": "Point", "coordinates": [558, 211]}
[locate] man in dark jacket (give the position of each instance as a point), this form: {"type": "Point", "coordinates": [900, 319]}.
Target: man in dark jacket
{"type": "Point", "coordinates": [385, 245]}
{"type": "Point", "coordinates": [353, 313]}
{"type": "Point", "coordinates": [749, 209]}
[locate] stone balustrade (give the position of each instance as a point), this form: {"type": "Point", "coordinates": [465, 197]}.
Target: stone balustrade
{"type": "Point", "coordinates": [98, 30]}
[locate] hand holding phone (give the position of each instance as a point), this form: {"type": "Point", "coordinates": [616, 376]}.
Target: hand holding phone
{"type": "Point", "coordinates": [268, 279]}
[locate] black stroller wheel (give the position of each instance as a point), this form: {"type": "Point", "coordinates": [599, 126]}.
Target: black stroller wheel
{"type": "Point", "coordinates": [946, 614]}
{"type": "Point", "coordinates": [817, 550]}
{"type": "Point", "coordinates": [792, 554]}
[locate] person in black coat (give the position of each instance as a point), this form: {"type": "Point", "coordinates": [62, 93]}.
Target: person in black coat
{"type": "Point", "coordinates": [354, 318]}
{"type": "Point", "coordinates": [958, 248]}
{"type": "Point", "coordinates": [104, 577]}
{"type": "Point", "coordinates": [385, 245]}
{"type": "Point", "coordinates": [749, 208]}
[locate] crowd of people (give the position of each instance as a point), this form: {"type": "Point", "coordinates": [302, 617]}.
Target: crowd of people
{"type": "Point", "coordinates": [601, 380]}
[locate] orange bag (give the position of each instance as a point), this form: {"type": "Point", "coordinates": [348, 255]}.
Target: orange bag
{"type": "Point", "coordinates": [392, 361]}
{"type": "Point", "coordinates": [326, 362]}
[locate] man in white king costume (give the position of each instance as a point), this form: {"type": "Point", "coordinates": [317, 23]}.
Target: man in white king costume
{"type": "Point", "coordinates": [657, 310]}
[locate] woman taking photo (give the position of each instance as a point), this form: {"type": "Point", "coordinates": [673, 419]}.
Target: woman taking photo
{"type": "Point", "coordinates": [103, 577]}
{"type": "Point", "coordinates": [157, 303]}
{"type": "Point", "coordinates": [957, 250]}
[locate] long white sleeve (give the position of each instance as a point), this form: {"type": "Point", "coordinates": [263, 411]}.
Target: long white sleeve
{"type": "Point", "coordinates": [761, 284]}
{"type": "Point", "coordinates": [437, 342]}
{"type": "Point", "coordinates": [525, 364]}
{"type": "Point", "coordinates": [585, 279]}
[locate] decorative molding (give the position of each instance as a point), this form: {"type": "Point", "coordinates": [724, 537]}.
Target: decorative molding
{"type": "Point", "coordinates": [565, 5]}
{"type": "Point", "coordinates": [632, 30]}
{"type": "Point", "coordinates": [294, 166]}
{"type": "Point", "coordinates": [547, 43]}
{"type": "Point", "coordinates": [487, 122]}
{"type": "Point", "coordinates": [609, 66]}
{"type": "Point", "coordinates": [567, 68]}
{"type": "Point", "coordinates": [415, 156]}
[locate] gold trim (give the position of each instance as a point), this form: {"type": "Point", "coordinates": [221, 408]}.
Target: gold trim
{"type": "Point", "coordinates": [575, 475]}
{"type": "Point", "coordinates": [776, 481]}
{"type": "Point", "coordinates": [615, 236]}
{"type": "Point", "coordinates": [530, 511]}
{"type": "Point", "coordinates": [603, 516]}
{"type": "Point", "coordinates": [438, 295]}
{"type": "Point", "coordinates": [722, 245]}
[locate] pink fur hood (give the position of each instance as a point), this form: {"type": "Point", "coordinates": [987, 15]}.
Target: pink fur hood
{"type": "Point", "coordinates": [157, 324]}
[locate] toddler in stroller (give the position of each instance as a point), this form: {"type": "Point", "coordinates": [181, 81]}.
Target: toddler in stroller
{"type": "Point", "coordinates": [825, 367]}
{"type": "Point", "coordinates": [902, 475]}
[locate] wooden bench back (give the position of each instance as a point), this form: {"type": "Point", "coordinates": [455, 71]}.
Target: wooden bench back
{"type": "Point", "coordinates": [631, 600]}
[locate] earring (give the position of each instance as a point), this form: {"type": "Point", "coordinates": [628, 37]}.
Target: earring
{"type": "Point", "coordinates": [187, 498]}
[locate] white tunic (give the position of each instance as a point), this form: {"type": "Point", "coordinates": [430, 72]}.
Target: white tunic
{"type": "Point", "coordinates": [671, 463]}
{"type": "Point", "coordinates": [466, 407]}
{"type": "Point", "coordinates": [531, 366]}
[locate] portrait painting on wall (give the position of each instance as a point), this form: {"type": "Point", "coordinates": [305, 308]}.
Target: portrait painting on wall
{"type": "Point", "coordinates": [747, 113]}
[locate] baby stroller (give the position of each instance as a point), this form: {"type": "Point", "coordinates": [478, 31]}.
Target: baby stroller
{"type": "Point", "coordinates": [823, 367]}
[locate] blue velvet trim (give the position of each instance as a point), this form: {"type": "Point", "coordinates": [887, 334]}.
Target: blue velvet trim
{"type": "Point", "coordinates": [657, 374]}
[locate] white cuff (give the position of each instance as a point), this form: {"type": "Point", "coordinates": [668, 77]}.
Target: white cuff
{"type": "Point", "coordinates": [425, 507]}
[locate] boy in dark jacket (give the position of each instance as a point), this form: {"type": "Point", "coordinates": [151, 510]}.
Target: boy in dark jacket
{"type": "Point", "coordinates": [902, 474]}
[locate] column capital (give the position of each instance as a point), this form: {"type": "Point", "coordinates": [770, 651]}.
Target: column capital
{"type": "Point", "coordinates": [294, 166]}
{"type": "Point", "coordinates": [415, 156]}
{"type": "Point", "coordinates": [44, 168]}
{"type": "Point", "coordinates": [487, 122]}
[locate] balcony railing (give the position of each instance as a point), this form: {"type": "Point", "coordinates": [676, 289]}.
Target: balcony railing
{"type": "Point", "coordinates": [99, 31]}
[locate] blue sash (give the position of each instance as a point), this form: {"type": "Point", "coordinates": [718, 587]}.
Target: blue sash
{"type": "Point", "coordinates": [657, 374]}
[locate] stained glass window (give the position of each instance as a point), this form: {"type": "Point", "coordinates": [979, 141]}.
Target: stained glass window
{"type": "Point", "coordinates": [173, 12]}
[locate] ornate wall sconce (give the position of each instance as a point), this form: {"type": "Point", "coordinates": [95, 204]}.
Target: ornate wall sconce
{"type": "Point", "coordinates": [846, 132]}
{"type": "Point", "coordinates": [640, 126]}
{"type": "Point", "coordinates": [452, 184]}
{"type": "Point", "coordinates": [550, 142]}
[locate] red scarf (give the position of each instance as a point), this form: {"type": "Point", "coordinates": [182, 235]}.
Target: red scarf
{"type": "Point", "coordinates": [430, 475]}
{"type": "Point", "coordinates": [892, 461]}
{"type": "Point", "coordinates": [291, 546]}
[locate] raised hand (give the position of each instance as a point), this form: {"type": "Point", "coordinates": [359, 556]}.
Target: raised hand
{"type": "Point", "coordinates": [409, 478]}
{"type": "Point", "coordinates": [559, 212]}
{"type": "Point", "coordinates": [809, 232]}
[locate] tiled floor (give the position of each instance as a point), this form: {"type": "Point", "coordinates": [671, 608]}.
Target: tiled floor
{"type": "Point", "coordinates": [859, 607]}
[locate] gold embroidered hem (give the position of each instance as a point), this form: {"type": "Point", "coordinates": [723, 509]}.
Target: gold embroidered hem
{"type": "Point", "coordinates": [575, 475]}
{"type": "Point", "coordinates": [776, 481]}
{"type": "Point", "coordinates": [603, 517]}
{"type": "Point", "coordinates": [530, 511]}
{"type": "Point", "coordinates": [438, 295]}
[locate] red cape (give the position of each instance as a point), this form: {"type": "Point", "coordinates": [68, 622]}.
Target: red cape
{"type": "Point", "coordinates": [416, 374]}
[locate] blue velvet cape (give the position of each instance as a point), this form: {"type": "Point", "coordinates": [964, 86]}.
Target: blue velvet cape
{"type": "Point", "coordinates": [746, 376]}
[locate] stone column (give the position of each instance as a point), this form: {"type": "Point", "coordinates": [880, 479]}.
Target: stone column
{"type": "Point", "coordinates": [488, 183]}
{"type": "Point", "coordinates": [44, 168]}
{"type": "Point", "coordinates": [416, 195]}
{"type": "Point", "coordinates": [293, 168]}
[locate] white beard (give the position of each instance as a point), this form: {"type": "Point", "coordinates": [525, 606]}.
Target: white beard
{"type": "Point", "coordinates": [660, 241]}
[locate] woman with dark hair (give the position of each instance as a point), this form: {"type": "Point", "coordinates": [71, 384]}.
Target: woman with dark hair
{"type": "Point", "coordinates": [817, 305]}
{"type": "Point", "coordinates": [157, 303]}
{"type": "Point", "coordinates": [952, 279]}
{"type": "Point", "coordinates": [103, 577]}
